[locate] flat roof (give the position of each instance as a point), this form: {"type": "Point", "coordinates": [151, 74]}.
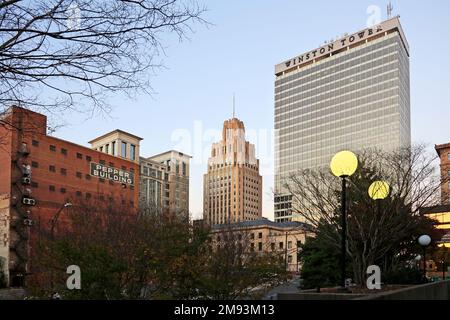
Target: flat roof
{"type": "Point", "coordinates": [90, 149]}
{"type": "Point", "coordinates": [10, 109]}
{"type": "Point", "coordinates": [169, 151]}
{"type": "Point", "coordinates": [264, 222]}
{"type": "Point", "coordinates": [337, 46]}
{"type": "Point", "coordinates": [151, 162]}
{"type": "Point", "coordinates": [439, 147]}
{"type": "Point", "coordinates": [115, 131]}
{"type": "Point", "coordinates": [77, 145]}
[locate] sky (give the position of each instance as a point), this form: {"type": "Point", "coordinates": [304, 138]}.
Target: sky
{"type": "Point", "coordinates": [236, 54]}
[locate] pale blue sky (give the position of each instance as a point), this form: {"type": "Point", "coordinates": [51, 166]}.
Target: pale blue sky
{"type": "Point", "coordinates": [238, 53]}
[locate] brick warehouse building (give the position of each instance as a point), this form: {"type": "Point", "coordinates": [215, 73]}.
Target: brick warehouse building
{"type": "Point", "coordinates": [40, 175]}
{"type": "Point", "coordinates": [443, 151]}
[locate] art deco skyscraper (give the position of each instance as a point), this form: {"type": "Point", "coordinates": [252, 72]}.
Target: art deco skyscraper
{"type": "Point", "coordinates": [349, 94]}
{"type": "Point", "coordinates": [232, 188]}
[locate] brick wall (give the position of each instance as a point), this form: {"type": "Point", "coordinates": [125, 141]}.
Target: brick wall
{"type": "Point", "coordinates": [59, 172]}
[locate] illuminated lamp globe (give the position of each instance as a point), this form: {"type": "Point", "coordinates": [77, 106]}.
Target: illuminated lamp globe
{"type": "Point", "coordinates": [344, 164]}
{"type": "Point", "coordinates": [379, 190]}
{"type": "Point", "coordinates": [424, 240]}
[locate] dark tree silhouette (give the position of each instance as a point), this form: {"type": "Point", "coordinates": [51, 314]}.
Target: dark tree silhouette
{"type": "Point", "coordinates": [59, 54]}
{"type": "Point", "coordinates": [149, 254]}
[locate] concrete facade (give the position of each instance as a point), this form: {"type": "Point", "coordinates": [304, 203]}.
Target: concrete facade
{"type": "Point", "coordinates": [118, 143]}
{"type": "Point", "coordinates": [174, 167]}
{"type": "Point", "coordinates": [439, 290]}
{"type": "Point", "coordinates": [163, 178]}
{"type": "Point", "coordinates": [264, 235]}
{"type": "Point", "coordinates": [154, 185]}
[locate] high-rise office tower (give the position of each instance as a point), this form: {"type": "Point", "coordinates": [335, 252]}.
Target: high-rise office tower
{"type": "Point", "coordinates": [232, 188]}
{"type": "Point", "coordinates": [351, 93]}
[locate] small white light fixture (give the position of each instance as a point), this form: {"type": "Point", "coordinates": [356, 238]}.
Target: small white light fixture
{"type": "Point", "coordinates": [424, 240]}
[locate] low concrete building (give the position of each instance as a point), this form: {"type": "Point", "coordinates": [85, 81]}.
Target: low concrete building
{"type": "Point", "coordinates": [264, 235]}
{"type": "Point", "coordinates": [441, 215]}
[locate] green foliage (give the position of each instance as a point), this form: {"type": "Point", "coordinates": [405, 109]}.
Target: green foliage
{"type": "Point", "coordinates": [403, 275]}
{"type": "Point", "coordinates": [379, 232]}
{"type": "Point", "coordinates": [146, 256]}
{"type": "Point", "coordinates": [101, 270]}
{"type": "Point", "coordinates": [321, 263]}
{"type": "Point", "coordinates": [2, 274]}
{"type": "Point", "coordinates": [229, 278]}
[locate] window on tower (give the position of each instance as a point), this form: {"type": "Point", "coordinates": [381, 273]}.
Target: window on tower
{"type": "Point", "coordinates": [123, 150]}
{"type": "Point", "coordinates": [132, 152]}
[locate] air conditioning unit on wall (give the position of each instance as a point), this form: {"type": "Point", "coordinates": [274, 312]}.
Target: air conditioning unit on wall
{"type": "Point", "coordinates": [28, 201]}
{"type": "Point", "coordinates": [28, 222]}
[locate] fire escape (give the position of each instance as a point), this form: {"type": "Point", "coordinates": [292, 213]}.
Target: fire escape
{"type": "Point", "coordinates": [20, 212]}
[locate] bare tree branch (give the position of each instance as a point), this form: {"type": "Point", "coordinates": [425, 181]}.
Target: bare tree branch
{"type": "Point", "coordinates": [59, 54]}
{"type": "Point", "coordinates": [375, 228]}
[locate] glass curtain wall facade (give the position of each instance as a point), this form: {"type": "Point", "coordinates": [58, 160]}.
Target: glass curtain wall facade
{"type": "Point", "coordinates": [356, 99]}
{"type": "Point", "coordinates": [152, 185]}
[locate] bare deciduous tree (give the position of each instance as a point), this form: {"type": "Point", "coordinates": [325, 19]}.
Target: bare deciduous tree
{"type": "Point", "coordinates": [378, 231]}
{"type": "Point", "coordinates": [55, 54]}
{"type": "Point", "coordinates": [149, 254]}
{"type": "Point", "coordinates": [237, 269]}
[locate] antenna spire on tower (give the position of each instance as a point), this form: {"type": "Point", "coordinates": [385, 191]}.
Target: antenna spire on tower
{"type": "Point", "coordinates": [390, 8]}
{"type": "Point", "coordinates": [234, 104]}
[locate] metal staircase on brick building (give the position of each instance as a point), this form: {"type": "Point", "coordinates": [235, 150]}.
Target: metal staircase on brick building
{"type": "Point", "coordinates": [21, 203]}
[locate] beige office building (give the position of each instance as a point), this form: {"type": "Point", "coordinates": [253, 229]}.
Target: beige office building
{"type": "Point", "coordinates": [153, 185]}
{"type": "Point", "coordinates": [175, 167]}
{"type": "Point", "coordinates": [232, 187]}
{"type": "Point", "coordinates": [163, 178]}
{"type": "Point", "coordinates": [118, 143]}
{"type": "Point", "coordinates": [263, 236]}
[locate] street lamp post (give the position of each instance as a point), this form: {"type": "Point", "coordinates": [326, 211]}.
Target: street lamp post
{"type": "Point", "coordinates": [379, 190]}
{"type": "Point", "coordinates": [417, 259]}
{"type": "Point", "coordinates": [424, 241]}
{"type": "Point", "coordinates": [343, 165]}
{"type": "Point", "coordinates": [55, 219]}
{"type": "Point", "coordinates": [286, 252]}
{"type": "Point", "coordinates": [444, 258]}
